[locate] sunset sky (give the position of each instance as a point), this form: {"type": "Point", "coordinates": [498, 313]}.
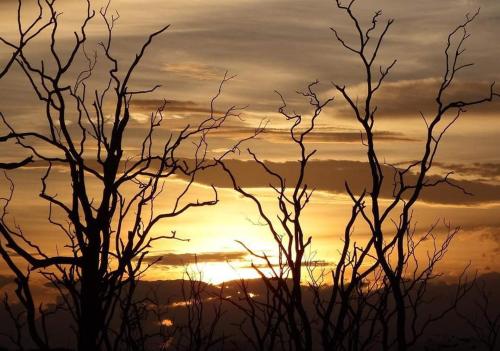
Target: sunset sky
{"type": "Point", "coordinates": [283, 45]}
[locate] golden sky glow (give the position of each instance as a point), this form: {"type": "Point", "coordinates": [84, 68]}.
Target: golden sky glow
{"type": "Point", "coordinates": [269, 47]}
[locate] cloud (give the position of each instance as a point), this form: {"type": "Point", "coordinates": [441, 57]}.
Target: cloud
{"type": "Point", "coordinates": [313, 264]}
{"type": "Point", "coordinates": [275, 52]}
{"type": "Point", "coordinates": [172, 106]}
{"type": "Point", "coordinates": [332, 136]}
{"type": "Point", "coordinates": [194, 70]}
{"type": "Point", "coordinates": [319, 135]}
{"type": "Point", "coordinates": [487, 170]}
{"type": "Point", "coordinates": [179, 112]}
{"type": "Point", "coordinates": [331, 175]}
{"type": "Point", "coordinates": [182, 259]}
{"type": "Point", "coordinates": [407, 98]}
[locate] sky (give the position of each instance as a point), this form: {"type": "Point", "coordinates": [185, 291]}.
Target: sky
{"type": "Point", "coordinates": [282, 45]}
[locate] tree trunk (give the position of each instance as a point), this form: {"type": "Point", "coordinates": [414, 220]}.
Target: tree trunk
{"type": "Point", "coordinates": [91, 319]}
{"type": "Point", "coordinates": [401, 316]}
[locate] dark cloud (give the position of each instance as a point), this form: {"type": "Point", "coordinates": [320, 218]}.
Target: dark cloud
{"type": "Point", "coordinates": [486, 170]}
{"type": "Point", "coordinates": [182, 259]}
{"type": "Point", "coordinates": [403, 99]}
{"type": "Point", "coordinates": [331, 175]}
{"type": "Point", "coordinates": [319, 135]}
{"type": "Point", "coordinates": [319, 263]}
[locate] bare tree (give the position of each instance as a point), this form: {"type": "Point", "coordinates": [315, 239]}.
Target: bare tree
{"type": "Point", "coordinates": [202, 313]}
{"type": "Point", "coordinates": [108, 233]}
{"type": "Point", "coordinates": [288, 234]}
{"type": "Point", "coordinates": [26, 34]}
{"type": "Point", "coordinates": [263, 326]}
{"type": "Point", "coordinates": [18, 323]}
{"type": "Point", "coordinates": [166, 320]}
{"type": "Point", "coordinates": [378, 286]}
{"type": "Point", "coordinates": [391, 245]}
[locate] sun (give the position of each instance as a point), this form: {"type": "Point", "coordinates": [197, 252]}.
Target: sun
{"type": "Point", "coordinates": [219, 272]}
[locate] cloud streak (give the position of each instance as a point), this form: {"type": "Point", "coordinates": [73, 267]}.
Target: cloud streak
{"type": "Point", "coordinates": [320, 135]}
{"type": "Point", "coordinates": [182, 259]}
{"type": "Point", "coordinates": [178, 106]}
{"type": "Point", "coordinates": [195, 71]}
{"type": "Point", "coordinates": [331, 176]}
{"type": "Point", "coordinates": [407, 98]}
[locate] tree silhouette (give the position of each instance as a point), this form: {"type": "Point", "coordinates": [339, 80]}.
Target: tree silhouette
{"type": "Point", "coordinates": [288, 233]}
{"type": "Point", "coordinates": [108, 232]}
{"type": "Point", "coordinates": [393, 247]}
{"type": "Point", "coordinates": [378, 287]}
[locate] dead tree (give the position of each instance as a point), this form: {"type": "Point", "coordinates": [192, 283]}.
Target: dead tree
{"type": "Point", "coordinates": [288, 233]}
{"type": "Point", "coordinates": [262, 324]}
{"type": "Point", "coordinates": [189, 321]}
{"type": "Point", "coordinates": [202, 312]}
{"type": "Point", "coordinates": [390, 245]}
{"type": "Point", "coordinates": [26, 34]}
{"type": "Point", "coordinates": [108, 234]}
{"type": "Point", "coordinates": [378, 286]}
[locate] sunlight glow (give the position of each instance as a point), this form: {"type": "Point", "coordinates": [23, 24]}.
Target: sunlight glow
{"type": "Point", "coordinates": [167, 322]}
{"type": "Point", "coordinates": [219, 272]}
